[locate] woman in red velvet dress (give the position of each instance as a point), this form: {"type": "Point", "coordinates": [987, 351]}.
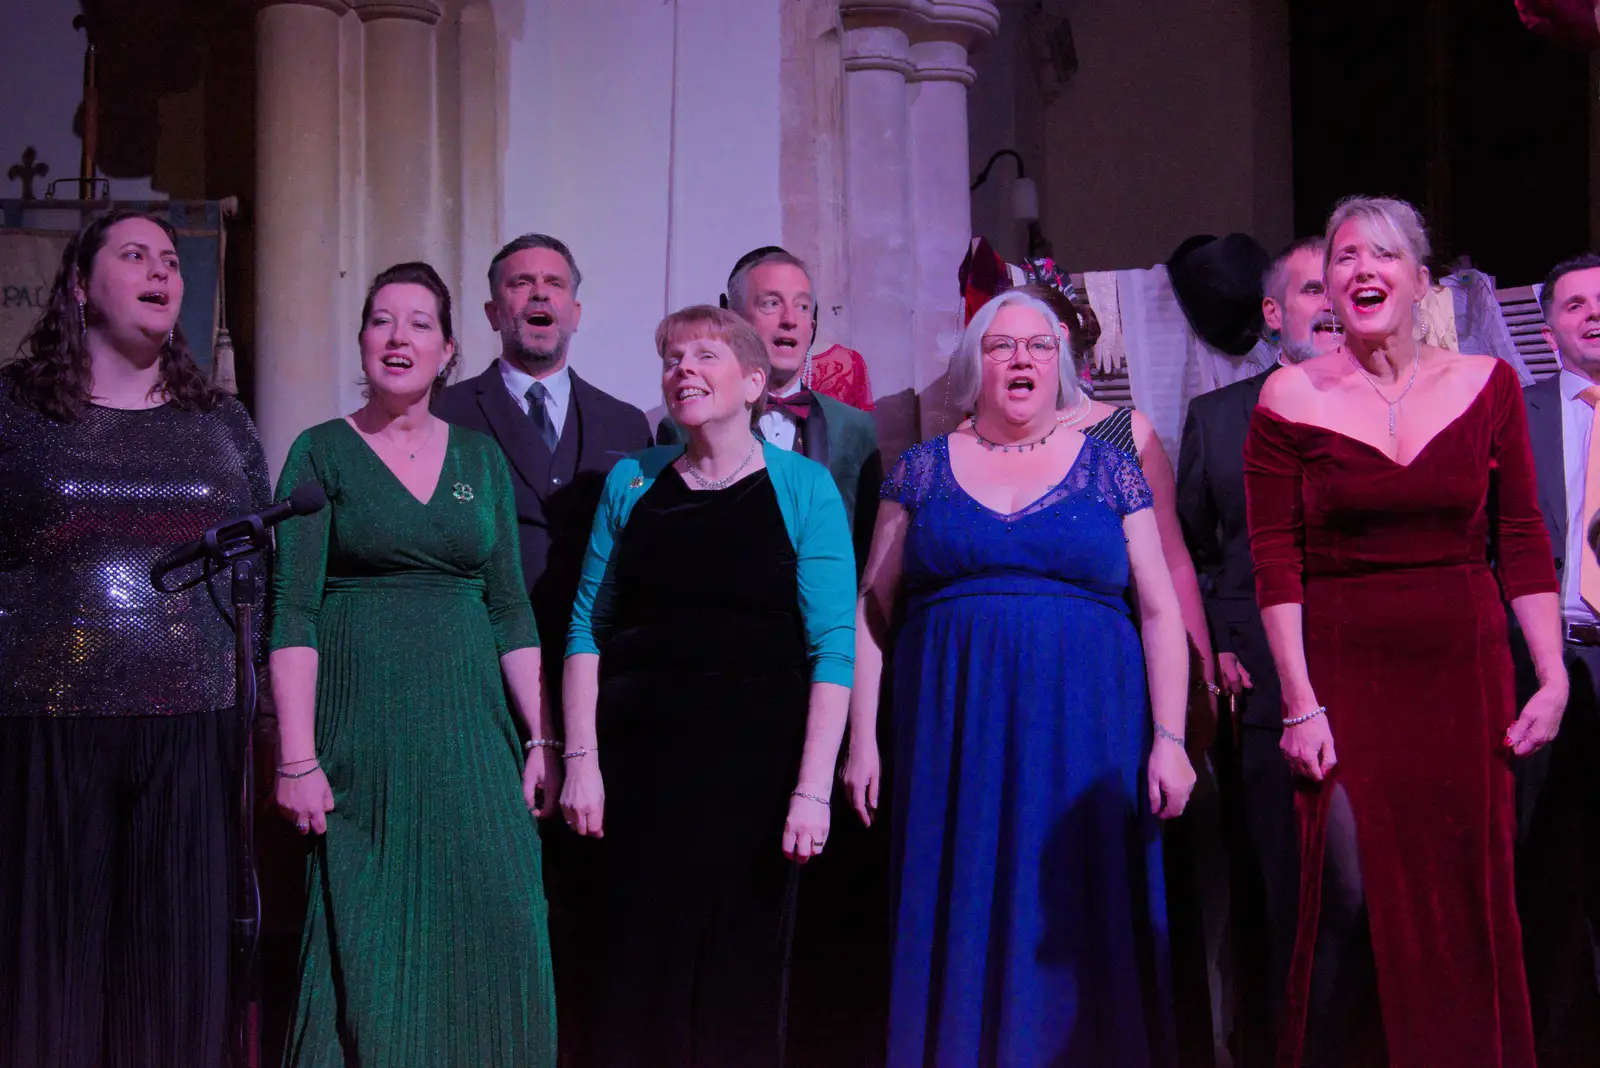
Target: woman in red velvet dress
{"type": "Point", "coordinates": [1384, 479]}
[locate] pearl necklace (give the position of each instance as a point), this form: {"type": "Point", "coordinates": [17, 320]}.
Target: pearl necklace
{"type": "Point", "coordinates": [722, 483]}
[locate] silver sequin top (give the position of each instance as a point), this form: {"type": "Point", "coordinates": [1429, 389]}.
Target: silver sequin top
{"type": "Point", "coordinates": [85, 508]}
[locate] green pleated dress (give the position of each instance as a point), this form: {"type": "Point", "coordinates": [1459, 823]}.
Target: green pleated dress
{"type": "Point", "coordinates": [426, 941]}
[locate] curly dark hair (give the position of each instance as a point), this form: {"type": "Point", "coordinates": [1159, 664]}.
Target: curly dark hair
{"type": "Point", "coordinates": [417, 273]}
{"type": "Point", "coordinates": [51, 373]}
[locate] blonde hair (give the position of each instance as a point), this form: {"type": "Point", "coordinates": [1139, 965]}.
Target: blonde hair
{"type": "Point", "coordinates": [965, 376]}
{"type": "Point", "coordinates": [700, 322]}
{"type": "Point", "coordinates": [1395, 225]}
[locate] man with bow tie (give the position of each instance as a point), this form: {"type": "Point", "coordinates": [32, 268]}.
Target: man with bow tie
{"type": "Point", "coordinates": [771, 289]}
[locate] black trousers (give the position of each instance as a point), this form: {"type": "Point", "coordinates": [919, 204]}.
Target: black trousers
{"type": "Point", "coordinates": [1558, 873]}
{"type": "Point", "coordinates": [115, 841]}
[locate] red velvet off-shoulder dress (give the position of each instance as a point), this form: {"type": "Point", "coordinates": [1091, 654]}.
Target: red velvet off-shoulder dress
{"type": "Point", "coordinates": [1405, 639]}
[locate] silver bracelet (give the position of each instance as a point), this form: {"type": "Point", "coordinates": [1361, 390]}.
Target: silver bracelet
{"type": "Point", "coordinates": [540, 743]}
{"type": "Point", "coordinates": [812, 797]}
{"type": "Point", "coordinates": [1162, 732]}
{"type": "Point", "coordinates": [574, 754]}
{"type": "Point", "coordinates": [1308, 717]}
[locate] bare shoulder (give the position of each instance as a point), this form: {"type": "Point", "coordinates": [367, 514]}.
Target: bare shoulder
{"type": "Point", "coordinates": [1144, 437]}
{"type": "Point", "coordinates": [1472, 370]}
{"type": "Point", "coordinates": [1289, 392]}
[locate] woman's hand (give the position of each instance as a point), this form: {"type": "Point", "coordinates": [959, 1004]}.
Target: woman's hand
{"type": "Point", "coordinates": [1540, 719]}
{"type": "Point", "coordinates": [1309, 745]}
{"type": "Point", "coordinates": [306, 801]}
{"type": "Point", "coordinates": [805, 832]}
{"type": "Point", "coordinates": [541, 781]}
{"type": "Point", "coordinates": [1171, 778]}
{"type": "Point", "coordinates": [861, 775]}
{"type": "Point", "coordinates": [583, 797]}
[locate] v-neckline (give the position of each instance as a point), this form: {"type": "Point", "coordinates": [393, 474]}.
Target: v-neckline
{"type": "Point", "coordinates": [1007, 517]}
{"type": "Point", "coordinates": [438, 480]}
{"type": "Point", "coordinates": [1370, 447]}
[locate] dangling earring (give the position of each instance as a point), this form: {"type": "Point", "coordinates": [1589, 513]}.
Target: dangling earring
{"type": "Point", "coordinates": [83, 319]}
{"type": "Point", "coordinates": [169, 340]}
{"type": "Point", "coordinates": [805, 372]}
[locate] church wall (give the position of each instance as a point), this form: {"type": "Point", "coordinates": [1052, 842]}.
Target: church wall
{"type": "Point", "coordinates": [646, 136]}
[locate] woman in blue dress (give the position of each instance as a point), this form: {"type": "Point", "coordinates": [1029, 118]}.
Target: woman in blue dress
{"type": "Point", "coordinates": [1030, 914]}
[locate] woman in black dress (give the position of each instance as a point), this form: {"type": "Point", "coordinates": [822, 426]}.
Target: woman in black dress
{"type": "Point", "coordinates": [714, 630]}
{"type": "Point", "coordinates": [118, 754]}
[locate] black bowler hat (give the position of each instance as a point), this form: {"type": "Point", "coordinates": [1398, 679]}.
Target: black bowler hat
{"type": "Point", "coordinates": [1218, 283]}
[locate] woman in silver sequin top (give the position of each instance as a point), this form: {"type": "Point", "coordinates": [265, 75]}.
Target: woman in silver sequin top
{"type": "Point", "coordinates": [118, 753]}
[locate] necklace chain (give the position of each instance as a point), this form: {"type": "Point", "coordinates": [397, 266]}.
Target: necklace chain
{"type": "Point", "coordinates": [1372, 381]}
{"type": "Point", "coordinates": [1026, 446]}
{"type": "Point", "coordinates": [411, 453]}
{"type": "Point", "coordinates": [722, 483]}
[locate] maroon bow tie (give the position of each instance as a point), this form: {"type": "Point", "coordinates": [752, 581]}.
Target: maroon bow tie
{"type": "Point", "coordinates": [797, 404]}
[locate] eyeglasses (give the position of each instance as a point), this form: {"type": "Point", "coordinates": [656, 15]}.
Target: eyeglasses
{"type": "Point", "coordinates": [1001, 349]}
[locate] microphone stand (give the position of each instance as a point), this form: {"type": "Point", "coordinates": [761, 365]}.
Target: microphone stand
{"type": "Point", "coordinates": [241, 552]}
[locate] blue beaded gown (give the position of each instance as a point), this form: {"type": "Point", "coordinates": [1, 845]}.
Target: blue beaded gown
{"type": "Point", "coordinates": [1030, 912]}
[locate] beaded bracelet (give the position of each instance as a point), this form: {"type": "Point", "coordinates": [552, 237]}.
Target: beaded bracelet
{"type": "Point", "coordinates": [1209, 687]}
{"type": "Point", "coordinates": [812, 797]}
{"type": "Point", "coordinates": [540, 743]}
{"type": "Point", "coordinates": [1308, 717]}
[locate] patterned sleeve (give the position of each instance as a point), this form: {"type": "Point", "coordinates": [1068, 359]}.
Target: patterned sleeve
{"type": "Point", "coordinates": [912, 479]}
{"type": "Point", "coordinates": [1128, 491]}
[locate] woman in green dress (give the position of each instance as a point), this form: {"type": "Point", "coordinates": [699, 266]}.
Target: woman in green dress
{"type": "Point", "coordinates": [425, 941]}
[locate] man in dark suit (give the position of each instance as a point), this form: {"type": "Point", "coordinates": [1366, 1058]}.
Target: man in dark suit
{"type": "Point", "coordinates": [1211, 506]}
{"type": "Point", "coordinates": [771, 290]}
{"type": "Point", "coordinates": [1558, 852]}
{"type": "Point", "coordinates": [561, 437]}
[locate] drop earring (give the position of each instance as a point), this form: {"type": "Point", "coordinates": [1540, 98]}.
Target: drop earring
{"type": "Point", "coordinates": [169, 340]}
{"type": "Point", "coordinates": [83, 319]}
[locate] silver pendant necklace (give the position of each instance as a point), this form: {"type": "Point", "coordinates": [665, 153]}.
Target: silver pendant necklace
{"type": "Point", "coordinates": [722, 483]}
{"type": "Point", "coordinates": [1394, 405]}
{"type": "Point", "coordinates": [412, 454]}
{"type": "Point", "coordinates": [1027, 446]}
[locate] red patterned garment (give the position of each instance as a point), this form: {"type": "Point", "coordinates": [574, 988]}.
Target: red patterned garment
{"type": "Point", "coordinates": [841, 373]}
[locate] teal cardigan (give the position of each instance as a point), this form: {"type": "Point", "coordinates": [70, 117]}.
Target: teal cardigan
{"type": "Point", "coordinates": [813, 514]}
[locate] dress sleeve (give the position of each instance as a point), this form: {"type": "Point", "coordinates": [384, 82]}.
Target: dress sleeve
{"type": "Point", "coordinates": [591, 609]}
{"type": "Point", "coordinates": [1525, 562]}
{"type": "Point", "coordinates": [510, 614]}
{"type": "Point", "coordinates": [1128, 491]}
{"type": "Point", "coordinates": [826, 575]}
{"type": "Point", "coordinates": [302, 559]}
{"type": "Point", "coordinates": [1273, 473]}
{"type": "Point", "coordinates": [910, 480]}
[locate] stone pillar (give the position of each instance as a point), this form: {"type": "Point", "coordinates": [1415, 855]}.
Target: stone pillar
{"type": "Point", "coordinates": [297, 364]}
{"type": "Point", "coordinates": [403, 205]}
{"type": "Point", "coordinates": [877, 61]}
{"type": "Point", "coordinates": [909, 213]}
{"type": "Point", "coordinates": [942, 208]}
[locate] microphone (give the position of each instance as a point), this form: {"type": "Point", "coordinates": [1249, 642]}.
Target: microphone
{"type": "Point", "coordinates": [246, 533]}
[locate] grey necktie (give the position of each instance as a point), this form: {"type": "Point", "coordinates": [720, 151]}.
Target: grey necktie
{"type": "Point", "coordinates": [540, 414]}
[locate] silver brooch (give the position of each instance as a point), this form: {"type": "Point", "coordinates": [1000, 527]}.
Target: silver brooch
{"type": "Point", "coordinates": [463, 492]}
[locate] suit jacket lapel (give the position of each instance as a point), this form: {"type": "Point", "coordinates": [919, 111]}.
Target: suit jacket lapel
{"type": "Point", "coordinates": [816, 432]}
{"type": "Point", "coordinates": [1549, 457]}
{"type": "Point", "coordinates": [514, 431]}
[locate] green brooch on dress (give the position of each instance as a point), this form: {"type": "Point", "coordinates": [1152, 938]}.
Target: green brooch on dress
{"type": "Point", "coordinates": [463, 492]}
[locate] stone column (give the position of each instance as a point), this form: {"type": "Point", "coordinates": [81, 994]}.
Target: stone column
{"type": "Point", "coordinates": [297, 365]}
{"type": "Point", "coordinates": [907, 172]}
{"type": "Point", "coordinates": [877, 61]}
{"type": "Point", "coordinates": [942, 211]}
{"type": "Point", "coordinates": [403, 206]}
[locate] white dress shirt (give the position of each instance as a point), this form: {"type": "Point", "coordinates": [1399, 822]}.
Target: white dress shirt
{"type": "Point", "coordinates": [1577, 422]}
{"type": "Point", "coordinates": [779, 427]}
{"type": "Point", "coordinates": [558, 388]}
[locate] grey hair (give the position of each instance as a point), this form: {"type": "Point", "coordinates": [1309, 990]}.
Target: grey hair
{"type": "Point", "coordinates": [1275, 283]}
{"type": "Point", "coordinates": [1395, 224]}
{"type": "Point", "coordinates": [740, 279]}
{"type": "Point", "coordinates": [966, 362]}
